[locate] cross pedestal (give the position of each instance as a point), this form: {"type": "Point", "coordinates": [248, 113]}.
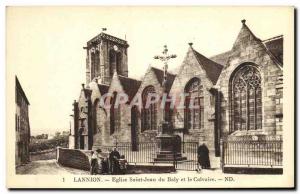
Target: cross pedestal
{"type": "Point", "coordinates": [169, 145]}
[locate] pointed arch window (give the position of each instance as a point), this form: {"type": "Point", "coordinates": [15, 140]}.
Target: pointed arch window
{"type": "Point", "coordinates": [93, 63]}
{"type": "Point", "coordinates": [149, 114]}
{"type": "Point", "coordinates": [245, 96]}
{"type": "Point", "coordinates": [194, 117]}
{"type": "Point", "coordinates": [96, 117]}
{"type": "Point", "coordinates": [115, 62]}
{"type": "Point", "coordinates": [114, 115]}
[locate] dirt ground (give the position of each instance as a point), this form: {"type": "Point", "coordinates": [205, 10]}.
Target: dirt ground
{"type": "Point", "coordinates": [47, 167]}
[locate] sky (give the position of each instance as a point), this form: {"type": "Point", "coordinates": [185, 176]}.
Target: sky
{"type": "Point", "coordinates": [44, 45]}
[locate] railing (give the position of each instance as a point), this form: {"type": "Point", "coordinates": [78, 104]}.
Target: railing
{"type": "Point", "coordinates": [188, 150]}
{"type": "Point", "coordinates": [252, 153]}
{"type": "Point", "coordinates": [147, 151]}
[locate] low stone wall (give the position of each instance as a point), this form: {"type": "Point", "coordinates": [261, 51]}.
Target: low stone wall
{"type": "Point", "coordinates": [73, 158]}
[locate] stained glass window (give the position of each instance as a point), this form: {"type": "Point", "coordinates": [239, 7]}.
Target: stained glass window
{"type": "Point", "coordinates": [149, 114]}
{"type": "Point", "coordinates": [246, 103]}
{"type": "Point", "coordinates": [194, 117]}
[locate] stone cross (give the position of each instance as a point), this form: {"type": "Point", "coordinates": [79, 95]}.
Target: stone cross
{"type": "Point", "coordinates": [165, 58]}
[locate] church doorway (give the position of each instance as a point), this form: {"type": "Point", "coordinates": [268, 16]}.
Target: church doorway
{"type": "Point", "coordinates": [134, 122]}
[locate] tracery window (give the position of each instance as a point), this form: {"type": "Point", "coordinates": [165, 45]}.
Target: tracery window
{"type": "Point", "coordinates": [194, 117]}
{"type": "Point", "coordinates": [246, 103]}
{"type": "Point", "coordinates": [149, 114]}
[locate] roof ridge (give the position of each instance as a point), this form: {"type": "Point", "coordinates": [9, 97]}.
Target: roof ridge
{"type": "Point", "coordinates": [163, 70]}
{"type": "Point", "coordinates": [212, 69]}
{"type": "Point", "coordinates": [128, 78]}
{"type": "Point", "coordinates": [206, 58]}
{"type": "Point", "coordinates": [273, 38]}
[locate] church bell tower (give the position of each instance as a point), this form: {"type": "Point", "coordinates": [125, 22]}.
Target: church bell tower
{"type": "Point", "coordinates": [105, 55]}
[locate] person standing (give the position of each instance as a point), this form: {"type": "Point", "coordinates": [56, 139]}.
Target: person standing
{"type": "Point", "coordinates": [99, 161]}
{"type": "Point", "coordinates": [114, 157]}
{"type": "Point", "coordinates": [93, 169]}
{"type": "Point", "coordinates": [203, 156]}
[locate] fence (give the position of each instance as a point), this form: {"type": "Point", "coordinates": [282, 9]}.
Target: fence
{"type": "Point", "coordinates": [252, 153]}
{"type": "Point", "coordinates": [146, 152]}
{"type": "Point", "coordinates": [188, 150]}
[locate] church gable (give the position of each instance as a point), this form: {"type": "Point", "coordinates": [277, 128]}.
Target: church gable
{"type": "Point", "coordinates": [263, 59]}
{"type": "Point", "coordinates": [245, 38]}
{"type": "Point", "coordinates": [249, 48]}
{"type": "Point", "coordinates": [195, 65]}
{"type": "Point", "coordinates": [150, 79]}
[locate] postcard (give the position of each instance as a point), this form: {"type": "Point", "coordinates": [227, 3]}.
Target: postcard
{"type": "Point", "coordinates": [150, 97]}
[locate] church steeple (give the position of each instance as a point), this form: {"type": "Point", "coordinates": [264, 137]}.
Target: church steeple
{"type": "Point", "coordinates": [105, 55]}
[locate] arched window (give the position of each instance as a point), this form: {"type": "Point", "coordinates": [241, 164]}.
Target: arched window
{"type": "Point", "coordinates": [115, 62]}
{"type": "Point", "coordinates": [114, 115]}
{"type": "Point", "coordinates": [97, 63]}
{"type": "Point", "coordinates": [112, 62]}
{"type": "Point", "coordinates": [194, 113]}
{"type": "Point", "coordinates": [149, 114]}
{"type": "Point", "coordinates": [96, 117]}
{"type": "Point", "coordinates": [245, 97]}
{"type": "Point", "coordinates": [93, 64]}
{"type": "Point", "coordinates": [119, 62]}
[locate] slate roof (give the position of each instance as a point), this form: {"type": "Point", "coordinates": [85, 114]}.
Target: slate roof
{"type": "Point", "coordinates": [103, 88]}
{"type": "Point", "coordinates": [160, 77]}
{"type": "Point", "coordinates": [87, 93]}
{"type": "Point", "coordinates": [19, 87]}
{"type": "Point", "coordinates": [221, 58]}
{"type": "Point", "coordinates": [275, 46]}
{"type": "Point", "coordinates": [130, 86]}
{"type": "Point", "coordinates": [212, 69]}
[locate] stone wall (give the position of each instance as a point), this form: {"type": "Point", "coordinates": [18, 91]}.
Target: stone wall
{"type": "Point", "coordinates": [73, 158]}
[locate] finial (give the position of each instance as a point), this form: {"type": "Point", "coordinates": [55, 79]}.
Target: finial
{"type": "Point", "coordinates": [191, 44]}
{"type": "Point", "coordinates": [165, 49]}
{"type": "Point", "coordinates": [82, 86]}
{"type": "Point", "coordinates": [104, 29]}
{"type": "Point", "coordinates": [243, 21]}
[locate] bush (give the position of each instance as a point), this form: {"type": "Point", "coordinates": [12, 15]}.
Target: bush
{"type": "Point", "coordinates": [61, 141]}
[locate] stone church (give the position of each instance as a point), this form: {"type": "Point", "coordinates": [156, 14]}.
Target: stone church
{"type": "Point", "coordinates": [238, 92]}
